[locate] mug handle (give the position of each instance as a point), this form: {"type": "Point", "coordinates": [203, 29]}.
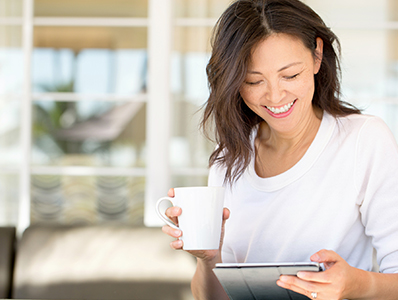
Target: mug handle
{"type": "Point", "coordinates": [162, 214]}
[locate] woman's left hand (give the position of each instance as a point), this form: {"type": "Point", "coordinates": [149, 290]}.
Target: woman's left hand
{"type": "Point", "coordinates": [337, 281]}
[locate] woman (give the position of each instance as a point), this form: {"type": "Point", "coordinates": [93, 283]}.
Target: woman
{"type": "Point", "coordinates": [305, 171]}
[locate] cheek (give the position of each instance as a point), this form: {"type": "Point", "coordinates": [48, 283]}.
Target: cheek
{"type": "Point", "coordinates": [243, 92]}
{"type": "Point", "coordinates": [246, 96]}
{"type": "Point", "coordinates": [305, 88]}
{"type": "Point", "coordinates": [249, 103]}
{"type": "Point", "coordinates": [251, 94]}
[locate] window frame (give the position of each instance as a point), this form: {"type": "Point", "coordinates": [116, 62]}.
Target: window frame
{"type": "Point", "coordinates": [160, 24]}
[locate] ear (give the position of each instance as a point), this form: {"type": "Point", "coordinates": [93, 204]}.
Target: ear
{"type": "Point", "coordinates": [318, 55]}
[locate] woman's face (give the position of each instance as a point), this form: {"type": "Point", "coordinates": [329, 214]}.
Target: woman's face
{"type": "Point", "coordinates": [279, 85]}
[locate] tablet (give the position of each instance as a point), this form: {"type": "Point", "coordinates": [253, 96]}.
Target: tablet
{"type": "Point", "coordinates": [258, 280]}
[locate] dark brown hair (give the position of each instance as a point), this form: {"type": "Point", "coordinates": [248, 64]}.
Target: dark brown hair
{"type": "Point", "coordinates": [241, 27]}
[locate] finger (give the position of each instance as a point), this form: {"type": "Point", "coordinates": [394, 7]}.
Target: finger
{"type": "Point", "coordinates": [298, 285]}
{"type": "Point", "coordinates": [176, 245]}
{"type": "Point", "coordinates": [298, 289]}
{"type": "Point", "coordinates": [170, 193]}
{"type": "Point", "coordinates": [175, 233]}
{"type": "Point", "coordinates": [226, 214]}
{"type": "Point", "coordinates": [173, 212]}
{"type": "Point", "coordinates": [320, 277]}
{"type": "Point", "coordinates": [324, 255]}
{"type": "Point", "coordinates": [327, 257]}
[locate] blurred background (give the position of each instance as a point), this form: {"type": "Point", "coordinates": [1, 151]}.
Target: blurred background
{"type": "Point", "coordinates": [100, 100]}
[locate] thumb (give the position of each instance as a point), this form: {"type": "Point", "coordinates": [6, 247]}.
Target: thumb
{"type": "Point", "coordinates": [226, 214]}
{"type": "Point", "coordinates": [327, 257]}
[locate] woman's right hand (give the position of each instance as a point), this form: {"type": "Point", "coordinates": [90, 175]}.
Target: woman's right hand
{"type": "Point", "coordinates": [173, 213]}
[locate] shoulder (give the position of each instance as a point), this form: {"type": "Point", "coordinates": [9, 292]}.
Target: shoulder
{"type": "Point", "coordinates": [376, 149]}
{"type": "Point", "coordinates": [357, 121]}
{"type": "Point", "coordinates": [365, 127]}
{"type": "Point", "coordinates": [216, 175]}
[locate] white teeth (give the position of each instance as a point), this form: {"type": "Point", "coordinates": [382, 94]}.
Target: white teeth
{"type": "Point", "coordinates": [282, 109]}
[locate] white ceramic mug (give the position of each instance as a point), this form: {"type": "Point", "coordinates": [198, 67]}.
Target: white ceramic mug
{"type": "Point", "coordinates": [201, 217]}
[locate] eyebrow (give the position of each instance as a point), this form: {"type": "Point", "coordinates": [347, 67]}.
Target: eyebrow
{"type": "Point", "coordinates": [281, 69]}
{"type": "Point", "coordinates": [289, 65]}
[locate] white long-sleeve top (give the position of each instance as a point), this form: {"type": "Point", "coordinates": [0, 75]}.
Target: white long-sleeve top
{"type": "Point", "coordinates": [342, 196]}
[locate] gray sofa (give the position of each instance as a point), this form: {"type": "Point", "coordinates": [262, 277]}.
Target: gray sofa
{"type": "Point", "coordinates": [93, 262]}
{"type": "Point", "coordinates": [7, 251]}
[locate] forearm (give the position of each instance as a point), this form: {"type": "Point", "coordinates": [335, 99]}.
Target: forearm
{"type": "Point", "coordinates": [374, 286]}
{"type": "Point", "coordinates": [205, 285]}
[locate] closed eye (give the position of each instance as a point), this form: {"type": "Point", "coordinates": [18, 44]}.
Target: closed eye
{"type": "Point", "coordinates": [292, 77]}
{"type": "Point", "coordinates": [252, 83]}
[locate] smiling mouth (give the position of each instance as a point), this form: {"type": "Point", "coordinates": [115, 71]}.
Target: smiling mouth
{"type": "Point", "coordinates": [280, 110]}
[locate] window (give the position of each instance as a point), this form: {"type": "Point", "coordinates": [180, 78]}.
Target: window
{"type": "Point", "coordinates": [11, 78]}
{"type": "Point", "coordinates": [100, 100]}
{"type": "Point", "coordinates": [368, 34]}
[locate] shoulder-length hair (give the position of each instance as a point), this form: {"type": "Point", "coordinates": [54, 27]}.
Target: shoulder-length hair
{"type": "Point", "coordinates": [240, 28]}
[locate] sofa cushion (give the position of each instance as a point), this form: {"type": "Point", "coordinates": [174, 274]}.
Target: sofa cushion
{"type": "Point", "coordinates": [100, 262]}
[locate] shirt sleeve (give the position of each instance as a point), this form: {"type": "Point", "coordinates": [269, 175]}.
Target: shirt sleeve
{"type": "Point", "coordinates": [216, 176]}
{"type": "Point", "coordinates": [377, 183]}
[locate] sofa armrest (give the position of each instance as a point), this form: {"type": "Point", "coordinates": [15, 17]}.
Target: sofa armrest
{"type": "Point", "coordinates": [7, 250]}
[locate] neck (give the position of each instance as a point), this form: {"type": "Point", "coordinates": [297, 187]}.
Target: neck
{"type": "Point", "coordinates": [287, 142]}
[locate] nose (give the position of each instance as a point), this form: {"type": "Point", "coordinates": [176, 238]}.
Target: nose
{"type": "Point", "coordinates": [274, 93]}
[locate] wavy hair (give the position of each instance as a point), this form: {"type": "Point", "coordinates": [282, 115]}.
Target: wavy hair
{"type": "Point", "coordinates": [243, 25]}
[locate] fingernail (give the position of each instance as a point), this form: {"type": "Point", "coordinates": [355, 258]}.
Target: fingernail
{"type": "Point", "coordinates": [177, 233]}
{"type": "Point", "coordinates": [280, 283]}
{"type": "Point", "coordinates": [315, 257]}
